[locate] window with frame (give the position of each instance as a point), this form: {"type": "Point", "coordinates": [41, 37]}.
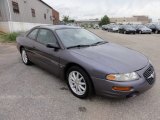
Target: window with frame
{"type": "Point", "coordinates": [45, 16]}
{"type": "Point", "coordinates": [33, 34]}
{"type": "Point", "coordinates": [46, 36]}
{"type": "Point", "coordinates": [15, 7]}
{"type": "Point", "coordinates": [33, 12]}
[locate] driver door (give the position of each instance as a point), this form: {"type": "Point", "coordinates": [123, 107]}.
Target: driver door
{"type": "Point", "coordinates": [46, 57]}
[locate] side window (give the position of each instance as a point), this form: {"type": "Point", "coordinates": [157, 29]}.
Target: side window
{"type": "Point", "coordinates": [32, 35]}
{"type": "Point", "coordinates": [46, 36]}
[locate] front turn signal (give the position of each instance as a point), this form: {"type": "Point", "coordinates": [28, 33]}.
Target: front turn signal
{"type": "Point", "coordinates": [116, 88]}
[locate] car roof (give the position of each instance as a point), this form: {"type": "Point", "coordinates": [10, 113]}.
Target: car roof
{"type": "Point", "coordinates": [56, 27]}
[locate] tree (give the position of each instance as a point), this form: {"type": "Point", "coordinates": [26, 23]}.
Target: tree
{"type": "Point", "coordinates": [105, 20]}
{"type": "Point", "coordinates": [65, 19]}
{"type": "Point", "coordinates": [71, 21]}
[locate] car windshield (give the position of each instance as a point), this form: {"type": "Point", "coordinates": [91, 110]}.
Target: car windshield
{"type": "Point", "coordinates": [77, 36]}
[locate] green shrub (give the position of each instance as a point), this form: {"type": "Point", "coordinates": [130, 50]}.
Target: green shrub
{"type": "Point", "coordinates": [9, 37]}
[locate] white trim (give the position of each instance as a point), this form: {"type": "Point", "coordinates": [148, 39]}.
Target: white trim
{"type": "Point", "coordinates": [10, 16]}
{"type": "Point", "coordinates": [17, 26]}
{"type": "Point", "coordinates": [4, 27]}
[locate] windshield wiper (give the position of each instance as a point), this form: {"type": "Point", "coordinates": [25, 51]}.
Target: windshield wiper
{"type": "Point", "coordinates": [100, 42]}
{"type": "Point", "coordinates": [78, 46]}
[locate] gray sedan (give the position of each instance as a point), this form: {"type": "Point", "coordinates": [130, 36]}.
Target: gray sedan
{"type": "Point", "coordinates": [86, 62]}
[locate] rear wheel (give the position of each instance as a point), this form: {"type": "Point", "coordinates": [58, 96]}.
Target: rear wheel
{"type": "Point", "coordinates": [24, 56]}
{"type": "Point", "coordinates": [79, 82]}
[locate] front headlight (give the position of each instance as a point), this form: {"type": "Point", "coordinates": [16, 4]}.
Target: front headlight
{"type": "Point", "coordinates": [123, 77]}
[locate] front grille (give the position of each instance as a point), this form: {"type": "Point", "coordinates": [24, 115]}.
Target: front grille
{"type": "Point", "coordinates": [149, 75]}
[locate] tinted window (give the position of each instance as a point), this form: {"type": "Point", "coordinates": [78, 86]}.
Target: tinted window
{"type": "Point", "coordinates": [33, 34]}
{"type": "Point", "coordinates": [46, 36]}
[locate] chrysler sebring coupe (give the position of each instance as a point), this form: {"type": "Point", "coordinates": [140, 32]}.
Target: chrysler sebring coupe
{"type": "Point", "coordinates": [86, 62]}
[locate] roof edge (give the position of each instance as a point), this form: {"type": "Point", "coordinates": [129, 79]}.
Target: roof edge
{"type": "Point", "coordinates": [45, 4]}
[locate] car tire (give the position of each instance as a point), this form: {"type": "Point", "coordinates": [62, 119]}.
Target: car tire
{"type": "Point", "coordinates": [79, 82]}
{"type": "Point", "coordinates": [156, 31]}
{"type": "Point", "coordinates": [140, 32]}
{"type": "Point", "coordinates": [24, 56]}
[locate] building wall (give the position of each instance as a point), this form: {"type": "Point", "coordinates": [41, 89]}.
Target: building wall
{"type": "Point", "coordinates": [133, 20]}
{"type": "Point", "coordinates": [24, 21]}
{"type": "Point", "coordinates": [25, 14]}
{"type": "Point", "coordinates": [89, 22]}
{"type": "Point", "coordinates": [4, 15]}
{"type": "Point", "coordinates": [143, 19]}
{"type": "Point", "coordinates": [4, 27]}
{"type": "Point", "coordinates": [55, 17]}
{"type": "Point", "coordinates": [121, 20]}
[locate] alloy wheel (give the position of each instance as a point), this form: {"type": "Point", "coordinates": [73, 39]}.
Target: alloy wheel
{"type": "Point", "coordinates": [77, 83]}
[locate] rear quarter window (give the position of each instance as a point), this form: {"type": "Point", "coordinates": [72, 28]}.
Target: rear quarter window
{"type": "Point", "coordinates": [33, 34]}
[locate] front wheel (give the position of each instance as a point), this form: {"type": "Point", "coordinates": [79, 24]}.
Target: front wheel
{"type": "Point", "coordinates": [79, 82]}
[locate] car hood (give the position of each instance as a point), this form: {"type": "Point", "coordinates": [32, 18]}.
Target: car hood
{"type": "Point", "coordinates": [115, 57]}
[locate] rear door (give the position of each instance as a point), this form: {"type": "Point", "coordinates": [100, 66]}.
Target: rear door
{"type": "Point", "coordinates": [48, 58]}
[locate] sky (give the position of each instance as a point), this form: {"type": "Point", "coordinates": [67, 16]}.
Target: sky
{"type": "Point", "coordinates": [91, 9]}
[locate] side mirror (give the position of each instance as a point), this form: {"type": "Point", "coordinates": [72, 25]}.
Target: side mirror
{"type": "Point", "coordinates": [52, 45]}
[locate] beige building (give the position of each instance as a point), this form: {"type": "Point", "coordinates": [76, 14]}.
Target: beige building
{"type": "Point", "coordinates": [131, 20]}
{"type": "Point", "coordinates": [88, 22]}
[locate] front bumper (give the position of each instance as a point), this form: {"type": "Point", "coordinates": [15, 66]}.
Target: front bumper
{"type": "Point", "coordinates": [104, 87]}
